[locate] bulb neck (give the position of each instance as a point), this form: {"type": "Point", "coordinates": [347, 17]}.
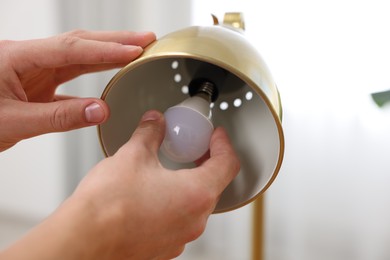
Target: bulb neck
{"type": "Point", "coordinates": [199, 104]}
{"type": "Point", "coordinates": [203, 88]}
{"type": "Point", "coordinates": [203, 93]}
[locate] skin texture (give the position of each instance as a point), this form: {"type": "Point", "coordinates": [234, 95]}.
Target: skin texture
{"type": "Point", "coordinates": [128, 206]}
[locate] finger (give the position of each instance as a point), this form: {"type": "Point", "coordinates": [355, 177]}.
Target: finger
{"type": "Point", "coordinates": [63, 97]}
{"type": "Point", "coordinates": [203, 158]}
{"type": "Point", "coordinates": [223, 165]}
{"type": "Point", "coordinates": [24, 120]}
{"type": "Point", "coordinates": [61, 51]}
{"type": "Point", "coordinates": [149, 134]}
{"type": "Point", "coordinates": [66, 73]}
{"type": "Point", "coordinates": [123, 37]}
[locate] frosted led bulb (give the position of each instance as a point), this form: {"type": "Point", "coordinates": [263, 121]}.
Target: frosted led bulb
{"type": "Point", "coordinates": [188, 128]}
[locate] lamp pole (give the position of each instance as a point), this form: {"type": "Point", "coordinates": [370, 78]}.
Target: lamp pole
{"type": "Point", "coordinates": [258, 229]}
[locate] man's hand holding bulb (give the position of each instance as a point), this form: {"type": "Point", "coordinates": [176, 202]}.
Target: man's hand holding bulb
{"type": "Point", "coordinates": [128, 206]}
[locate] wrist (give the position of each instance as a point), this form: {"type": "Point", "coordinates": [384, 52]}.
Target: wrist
{"type": "Point", "coordinates": [71, 232]}
{"type": "Point", "coordinates": [94, 231]}
{"type": "Point", "coordinates": [80, 230]}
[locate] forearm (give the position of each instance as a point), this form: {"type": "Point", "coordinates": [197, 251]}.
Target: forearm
{"type": "Point", "coordinates": [66, 234]}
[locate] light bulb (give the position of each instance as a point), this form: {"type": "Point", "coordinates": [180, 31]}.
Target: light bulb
{"type": "Point", "coordinates": [189, 127]}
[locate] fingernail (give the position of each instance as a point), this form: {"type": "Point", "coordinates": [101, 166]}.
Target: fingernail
{"type": "Point", "coordinates": [94, 113]}
{"type": "Point", "coordinates": [151, 115]}
{"type": "Point", "coordinates": [144, 34]}
{"type": "Point", "coordinates": [133, 48]}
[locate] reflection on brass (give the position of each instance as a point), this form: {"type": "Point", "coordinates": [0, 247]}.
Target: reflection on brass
{"type": "Point", "coordinates": [234, 19]}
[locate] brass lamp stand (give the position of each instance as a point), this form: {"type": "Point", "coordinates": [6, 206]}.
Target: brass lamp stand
{"type": "Point", "coordinates": [258, 229]}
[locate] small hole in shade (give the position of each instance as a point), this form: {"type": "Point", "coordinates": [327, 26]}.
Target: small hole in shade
{"type": "Point", "coordinates": [184, 89]}
{"type": "Point", "coordinates": [177, 78]}
{"type": "Point", "coordinates": [237, 102]}
{"type": "Point", "coordinates": [224, 105]}
{"type": "Point", "coordinates": [212, 105]}
{"type": "Point", "coordinates": [249, 95]}
{"type": "Point", "coordinates": [175, 64]}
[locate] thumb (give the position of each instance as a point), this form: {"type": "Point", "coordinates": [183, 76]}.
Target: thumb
{"type": "Point", "coordinates": [31, 119]}
{"type": "Point", "coordinates": [148, 136]}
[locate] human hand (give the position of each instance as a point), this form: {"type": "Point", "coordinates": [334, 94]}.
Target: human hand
{"type": "Point", "coordinates": [130, 207]}
{"type": "Point", "coordinates": [150, 212]}
{"type": "Point", "coordinates": [31, 71]}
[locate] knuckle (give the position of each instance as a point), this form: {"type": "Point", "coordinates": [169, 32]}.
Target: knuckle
{"type": "Point", "coordinates": [152, 128]}
{"type": "Point", "coordinates": [61, 120]}
{"type": "Point", "coordinates": [176, 252]}
{"type": "Point", "coordinates": [68, 43]}
{"type": "Point", "coordinates": [201, 200]}
{"type": "Point", "coordinates": [147, 131]}
{"type": "Point", "coordinates": [197, 230]}
{"type": "Point", "coordinates": [76, 33]}
{"type": "Point", "coordinates": [69, 40]}
{"type": "Point", "coordinates": [58, 119]}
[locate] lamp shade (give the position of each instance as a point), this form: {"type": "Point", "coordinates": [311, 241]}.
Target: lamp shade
{"type": "Point", "coordinates": [248, 104]}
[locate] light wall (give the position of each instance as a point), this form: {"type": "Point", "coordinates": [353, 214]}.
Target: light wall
{"type": "Point", "coordinates": [331, 199]}
{"type": "Point", "coordinates": [30, 176]}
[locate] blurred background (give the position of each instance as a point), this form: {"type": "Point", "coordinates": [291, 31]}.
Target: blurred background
{"type": "Point", "coordinates": [331, 199]}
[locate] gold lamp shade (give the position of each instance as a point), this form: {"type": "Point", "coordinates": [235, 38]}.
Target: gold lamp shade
{"type": "Point", "coordinates": [248, 103]}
